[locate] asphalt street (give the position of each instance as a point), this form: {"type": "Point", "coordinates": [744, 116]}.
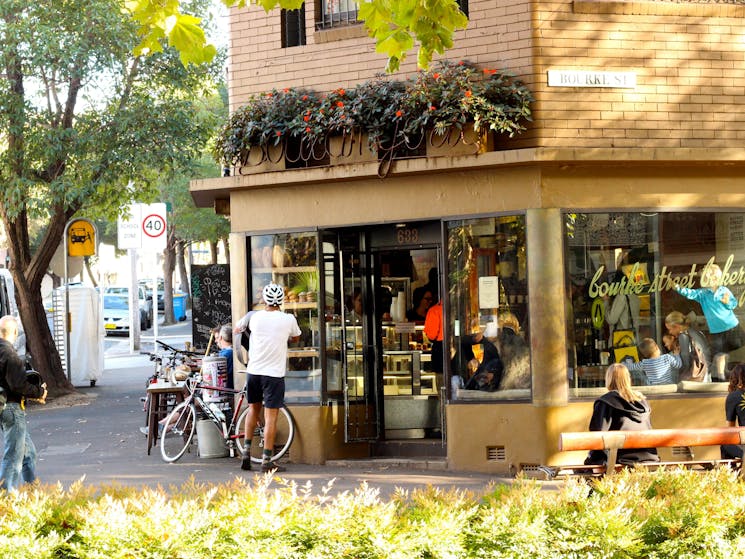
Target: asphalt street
{"type": "Point", "coordinates": [98, 440]}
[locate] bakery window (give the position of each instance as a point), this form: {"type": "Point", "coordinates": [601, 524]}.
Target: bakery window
{"type": "Point", "coordinates": [659, 292]}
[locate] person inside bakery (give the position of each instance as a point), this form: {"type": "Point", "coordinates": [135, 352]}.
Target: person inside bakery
{"type": "Point", "coordinates": [422, 301]}
{"type": "Point", "coordinates": [354, 307]}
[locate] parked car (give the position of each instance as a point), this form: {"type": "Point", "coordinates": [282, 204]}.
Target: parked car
{"type": "Point", "coordinates": [145, 303]}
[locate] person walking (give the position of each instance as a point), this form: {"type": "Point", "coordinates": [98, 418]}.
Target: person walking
{"type": "Point", "coordinates": [19, 453]}
{"type": "Point", "coordinates": [270, 331]}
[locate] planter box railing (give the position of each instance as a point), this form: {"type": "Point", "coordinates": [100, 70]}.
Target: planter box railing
{"type": "Point", "coordinates": [354, 148]}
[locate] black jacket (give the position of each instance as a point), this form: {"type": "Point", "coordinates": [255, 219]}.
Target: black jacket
{"type": "Point", "coordinates": [612, 413]}
{"type": "Point", "coordinates": [13, 375]}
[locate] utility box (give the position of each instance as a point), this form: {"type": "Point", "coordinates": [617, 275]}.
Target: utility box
{"type": "Point", "coordinates": [86, 333]}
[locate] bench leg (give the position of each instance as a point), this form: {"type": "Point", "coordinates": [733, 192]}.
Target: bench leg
{"type": "Point", "coordinates": [610, 467]}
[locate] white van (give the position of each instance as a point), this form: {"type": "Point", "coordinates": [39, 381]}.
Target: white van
{"type": "Point", "coordinates": [9, 306]}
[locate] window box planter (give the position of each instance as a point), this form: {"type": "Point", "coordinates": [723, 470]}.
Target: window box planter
{"type": "Point", "coordinates": [456, 142]}
{"type": "Point", "coordinates": [262, 159]}
{"type": "Point", "coordinates": [351, 148]}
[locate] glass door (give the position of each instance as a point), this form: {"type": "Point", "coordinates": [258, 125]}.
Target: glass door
{"type": "Point", "coordinates": [362, 421]}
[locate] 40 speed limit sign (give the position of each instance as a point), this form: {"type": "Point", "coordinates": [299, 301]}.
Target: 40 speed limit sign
{"type": "Point", "coordinates": [153, 226]}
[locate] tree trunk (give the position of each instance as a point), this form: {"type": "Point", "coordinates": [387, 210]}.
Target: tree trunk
{"type": "Point", "coordinates": [169, 263]}
{"type": "Point", "coordinates": [87, 262]}
{"type": "Point", "coordinates": [226, 246]}
{"type": "Point", "coordinates": [183, 275]}
{"type": "Point", "coordinates": [45, 357]}
{"type": "Point", "coordinates": [213, 252]}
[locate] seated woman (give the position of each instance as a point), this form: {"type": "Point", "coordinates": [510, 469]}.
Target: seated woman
{"type": "Point", "coordinates": [514, 351]}
{"type": "Point", "coordinates": [621, 409]}
{"type": "Point", "coordinates": [734, 408]}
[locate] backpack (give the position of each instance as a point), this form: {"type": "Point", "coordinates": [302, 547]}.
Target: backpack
{"type": "Point", "coordinates": [698, 370]}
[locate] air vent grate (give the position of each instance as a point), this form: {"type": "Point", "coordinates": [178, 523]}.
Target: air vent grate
{"type": "Point", "coordinates": [496, 454]}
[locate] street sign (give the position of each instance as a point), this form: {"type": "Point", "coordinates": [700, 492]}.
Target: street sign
{"type": "Point", "coordinates": [81, 238]}
{"type": "Point", "coordinates": [145, 227]}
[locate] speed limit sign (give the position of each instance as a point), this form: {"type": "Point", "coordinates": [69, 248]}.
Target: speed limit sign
{"type": "Point", "coordinates": [153, 226]}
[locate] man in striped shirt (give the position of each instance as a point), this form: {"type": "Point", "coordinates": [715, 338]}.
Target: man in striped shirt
{"type": "Point", "coordinates": [659, 368]}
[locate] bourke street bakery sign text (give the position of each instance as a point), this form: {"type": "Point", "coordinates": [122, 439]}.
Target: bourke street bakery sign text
{"type": "Point", "coordinates": [663, 281]}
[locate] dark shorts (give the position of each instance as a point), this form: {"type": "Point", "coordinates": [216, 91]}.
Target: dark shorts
{"type": "Point", "coordinates": [267, 390]}
{"type": "Point", "coordinates": [729, 340]}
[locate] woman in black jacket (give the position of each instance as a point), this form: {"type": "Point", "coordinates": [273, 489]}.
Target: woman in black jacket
{"type": "Point", "coordinates": [621, 409]}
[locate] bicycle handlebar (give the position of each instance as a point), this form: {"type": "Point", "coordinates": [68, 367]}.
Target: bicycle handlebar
{"type": "Point", "coordinates": [176, 350]}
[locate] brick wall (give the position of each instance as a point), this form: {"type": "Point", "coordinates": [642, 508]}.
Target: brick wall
{"type": "Point", "coordinates": [689, 61]}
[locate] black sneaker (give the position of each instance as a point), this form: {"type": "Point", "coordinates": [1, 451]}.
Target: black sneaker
{"type": "Point", "coordinates": [272, 467]}
{"type": "Point", "coordinates": [245, 461]}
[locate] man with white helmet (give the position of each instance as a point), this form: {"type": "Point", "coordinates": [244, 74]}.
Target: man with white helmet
{"type": "Point", "coordinates": [270, 330]}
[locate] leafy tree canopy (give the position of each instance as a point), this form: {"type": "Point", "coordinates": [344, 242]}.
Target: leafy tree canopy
{"type": "Point", "coordinates": [394, 24]}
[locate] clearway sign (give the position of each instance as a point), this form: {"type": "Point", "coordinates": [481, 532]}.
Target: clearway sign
{"type": "Point", "coordinates": [145, 227]}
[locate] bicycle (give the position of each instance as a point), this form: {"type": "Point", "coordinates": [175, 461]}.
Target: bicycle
{"type": "Point", "coordinates": [178, 431]}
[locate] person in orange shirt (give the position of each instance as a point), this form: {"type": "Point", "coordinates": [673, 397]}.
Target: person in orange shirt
{"type": "Point", "coordinates": [433, 331]}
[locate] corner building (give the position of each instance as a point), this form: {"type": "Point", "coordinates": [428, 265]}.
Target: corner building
{"type": "Point", "coordinates": [630, 175]}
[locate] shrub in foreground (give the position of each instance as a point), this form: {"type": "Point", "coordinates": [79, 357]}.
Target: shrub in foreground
{"type": "Point", "coordinates": [665, 514]}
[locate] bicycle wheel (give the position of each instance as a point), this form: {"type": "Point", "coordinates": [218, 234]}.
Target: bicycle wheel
{"type": "Point", "coordinates": [282, 440]}
{"type": "Point", "coordinates": [178, 432]}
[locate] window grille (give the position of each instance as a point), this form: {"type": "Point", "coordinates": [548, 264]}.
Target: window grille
{"type": "Point", "coordinates": [335, 13]}
{"type": "Point", "coordinates": [293, 27]}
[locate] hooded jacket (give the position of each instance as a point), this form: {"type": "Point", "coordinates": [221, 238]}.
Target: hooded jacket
{"type": "Point", "coordinates": [612, 413]}
{"type": "Point", "coordinates": [13, 377]}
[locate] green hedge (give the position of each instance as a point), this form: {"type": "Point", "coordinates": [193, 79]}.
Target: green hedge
{"type": "Point", "coordinates": [676, 514]}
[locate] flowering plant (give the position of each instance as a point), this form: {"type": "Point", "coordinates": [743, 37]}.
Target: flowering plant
{"type": "Point", "coordinates": [393, 113]}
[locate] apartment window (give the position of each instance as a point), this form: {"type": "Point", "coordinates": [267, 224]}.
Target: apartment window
{"type": "Point", "coordinates": [335, 13]}
{"type": "Point", "coordinates": [293, 27]}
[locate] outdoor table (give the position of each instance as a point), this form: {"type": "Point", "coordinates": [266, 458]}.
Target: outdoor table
{"type": "Point", "coordinates": [160, 395]}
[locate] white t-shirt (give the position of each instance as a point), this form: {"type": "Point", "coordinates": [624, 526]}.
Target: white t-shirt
{"type": "Point", "coordinates": [270, 332]}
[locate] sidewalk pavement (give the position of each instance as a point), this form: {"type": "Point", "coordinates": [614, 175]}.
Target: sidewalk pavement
{"type": "Point", "coordinates": [99, 439]}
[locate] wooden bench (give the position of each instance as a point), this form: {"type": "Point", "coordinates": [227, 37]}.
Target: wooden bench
{"type": "Point", "coordinates": [613, 441]}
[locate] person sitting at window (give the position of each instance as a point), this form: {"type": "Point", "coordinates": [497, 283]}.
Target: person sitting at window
{"type": "Point", "coordinates": [422, 300]}
{"type": "Point", "coordinates": [514, 351]}
{"type": "Point", "coordinates": [621, 409]}
{"type": "Point", "coordinates": [657, 367]}
{"type": "Point", "coordinates": [734, 408]}
{"type": "Point", "coordinates": [225, 343]}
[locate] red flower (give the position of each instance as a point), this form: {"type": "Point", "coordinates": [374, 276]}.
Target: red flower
{"type": "Point", "coordinates": [342, 92]}
{"type": "Point", "coordinates": [436, 75]}
{"type": "Point", "coordinates": [279, 133]}
{"type": "Point", "coordinates": [308, 129]}
{"type": "Point", "coordinates": [432, 108]}
{"type": "Point", "coordinates": [286, 90]}
{"type": "Point", "coordinates": [486, 70]}
{"type": "Point", "coordinates": [399, 113]}
{"type": "Point", "coordinates": [269, 94]}
{"type": "Point", "coordinates": [460, 63]}
{"type": "Point", "coordinates": [305, 97]}
{"type": "Point", "coordinates": [468, 93]}
{"type": "Point", "coordinates": [306, 118]}
{"type": "Point", "coordinates": [339, 104]}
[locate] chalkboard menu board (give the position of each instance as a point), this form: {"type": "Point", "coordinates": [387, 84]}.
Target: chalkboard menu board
{"type": "Point", "coordinates": [210, 291]}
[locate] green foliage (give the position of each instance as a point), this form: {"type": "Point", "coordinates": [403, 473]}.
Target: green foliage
{"type": "Point", "coordinates": [394, 24]}
{"type": "Point", "coordinates": [392, 112]}
{"type": "Point", "coordinates": [663, 514]}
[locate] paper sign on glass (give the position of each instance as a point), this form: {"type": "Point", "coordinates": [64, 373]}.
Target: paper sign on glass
{"type": "Point", "coordinates": [488, 292]}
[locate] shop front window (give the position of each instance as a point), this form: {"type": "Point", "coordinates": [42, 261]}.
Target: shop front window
{"type": "Point", "coordinates": [661, 292]}
{"type": "Point", "coordinates": [291, 260]}
{"type": "Point", "coordinates": [488, 309]}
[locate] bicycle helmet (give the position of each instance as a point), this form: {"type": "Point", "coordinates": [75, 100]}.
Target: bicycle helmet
{"type": "Point", "coordinates": [273, 295]}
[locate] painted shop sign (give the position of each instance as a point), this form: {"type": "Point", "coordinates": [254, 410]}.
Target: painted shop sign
{"type": "Point", "coordinates": [591, 78]}
{"type": "Point", "coordinates": [663, 280]}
